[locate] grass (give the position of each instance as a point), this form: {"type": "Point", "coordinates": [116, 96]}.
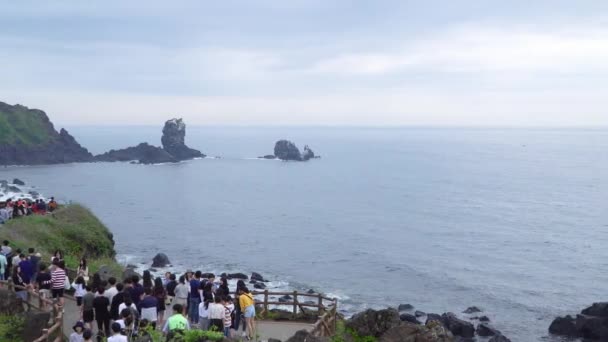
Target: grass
{"type": "Point", "coordinates": [73, 229]}
{"type": "Point", "coordinates": [18, 124]}
{"type": "Point", "coordinates": [11, 328]}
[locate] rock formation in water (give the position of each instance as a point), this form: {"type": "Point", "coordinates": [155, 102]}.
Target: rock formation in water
{"type": "Point", "coordinates": [591, 324]}
{"type": "Point", "coordinates": [174, 148]}
{"type": "Point", "coordinates": [173, 140]}
{"type": "Point", "coordinates": [29, 138]}
{"type": "Point", "coordinates": [287, 150]}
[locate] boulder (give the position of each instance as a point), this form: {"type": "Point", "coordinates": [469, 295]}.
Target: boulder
{"type": "Point", "coordinates": [405, 307]}
{"type": "Point", "coordinates": [160, 260]}
{"type": "Point", "coordinates": [307, 154]}
{"type": "Point", "coordinates": [257, 277]}
{"type": "Point", "coordinates": [433, 318]}
{"type": "Point", "coordinates": [285, 299]}
{"type": "Point", "coordinates": [592, 327]}
{"type": "Point", "coordinates": [287, 150]}
{"type": "Point", "coordinates": [207, 275]}
{"type": "Point", "coordinates": [306, 336]}
{"type": "Point", "coordinates": [259, 286]}
{"type": "Point", "coordinates": [408, 332]}
{"type": "Point", "coordinates": [499, 338]}
{"type": "Point", "coordinates": [311, 291]}
{"type": "Point", "coordinates": [419, 314]}
{"type": "Point", "coordinates": [565, 326]}
{"type": "Point", "coordinates": [10, 303]}
{"type": "Point", "coordinates": [409, 318]}
{"type": "Point", "coordinates": [374, 323]}
{"type": "Point", "coordinates": [597, 309]}
{"type": "Point", "coordinates": [472, 309]}
{"type": "Point", "coordinates": [238, 276]}
{"type": "Point", "coordinates": [173, 140]}
{"type": "Point", "coordinates": [105, 273]}
{"type": "Point", "coordinates": [485, 330]}
{"type": "Point", "coordinates": [268, 156]}
{"type": "Point", "coordinates": [33, 324]}
{"type": "Point", "coordinates": [484, 319]}
{"type": "Point", "coordinates": [457, 326]}
{"type": "Point", "coordinates": [18, 181]}
{"type": "Point", "coordinates": [13, 188]}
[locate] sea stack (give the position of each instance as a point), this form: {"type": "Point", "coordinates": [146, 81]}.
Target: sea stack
{"type": "Point", "coordinates": [287, 150]}
{"type": "Point", "coordinates": [173, 140]}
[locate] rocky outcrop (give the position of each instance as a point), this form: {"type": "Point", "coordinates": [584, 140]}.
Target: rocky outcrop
{"type": "Point", "coordinates": [457, 326]}
{"type": "Point", "coordinates": [417, 333]}
{"type": "Point", "coordinates": [29, 138]}
{"type": "Point", "coordinates": [144, 153]}
{"type": "Point", "coordinates": [173, 140]}
{"type": "Point", "coordinates": [10, 303]}
{"type": "Point", "coordinates": [18, 181]}
{"type": "Point", "coordinates": [257, 277]}
{"type": "Point", "coordinates": [287, 150]}
{"type": "Point", "coordinates": [374, 323]}
{"type": "Point", "coordinates": [160, 260]}
{"type": "Point", "coordinates": [306, 336]}
{"type": "Point", "coordinates": [590, 324]}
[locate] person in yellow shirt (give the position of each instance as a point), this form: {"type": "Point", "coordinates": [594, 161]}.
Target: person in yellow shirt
{"type": "Point", "coordinates": [247, 304]}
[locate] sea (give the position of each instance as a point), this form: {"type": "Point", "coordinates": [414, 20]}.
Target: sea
{"type": "Point", "coordinates": [514, 221]}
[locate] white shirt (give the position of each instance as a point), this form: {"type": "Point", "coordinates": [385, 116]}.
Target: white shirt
{"type": "Point", "coordinates": [118, 338]}
{"type": "Point", "coordinates": [110, 293]}
{"type": "Point", "coordinates": [216, 311]}
{"type": "Point", "coordinates": [123, 306]}
{"type": "Point", "coordinates": [6, 250]}
{"type": "Point", "coordinates": [202, 312]}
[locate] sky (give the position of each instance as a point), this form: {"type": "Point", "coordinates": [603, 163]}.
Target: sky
{"type": "Point", "coordinates": [294, 62]}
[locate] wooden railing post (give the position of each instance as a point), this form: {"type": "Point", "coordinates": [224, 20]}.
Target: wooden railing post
{"type": "Point", "coordinates": [321, 308]}
{"type": "Point", "coordinates": [295, 304]}
{"type": "Point", "coordinates": [266, 302]}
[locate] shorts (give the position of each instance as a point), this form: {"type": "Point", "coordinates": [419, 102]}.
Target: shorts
{"type": "Point", "coordinates": [88, 316]}
{"type": "Point", "coordinates": [57, 293]}
{"type": "Point", "coordinates": [250, 311]}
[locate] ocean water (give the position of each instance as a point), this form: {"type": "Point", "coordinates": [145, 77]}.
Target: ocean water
{"type": "Point", "coordinates": [514, 221]}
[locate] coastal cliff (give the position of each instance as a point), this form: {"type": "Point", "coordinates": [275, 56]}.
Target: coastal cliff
{"type": "Point", "coordinates": [27, 137]}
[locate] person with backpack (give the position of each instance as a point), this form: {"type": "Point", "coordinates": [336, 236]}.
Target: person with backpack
{"type": "Point", "coordinates": [177, 323]}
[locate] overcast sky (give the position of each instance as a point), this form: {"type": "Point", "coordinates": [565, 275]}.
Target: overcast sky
{"type": "Point", "coordinates": [315, 62]}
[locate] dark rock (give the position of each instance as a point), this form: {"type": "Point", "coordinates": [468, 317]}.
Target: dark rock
{"type": "Point", "coordinates": [484, 319]}
{"type": "Point", "coordinates": [13, 188]}
{"type": "Point", "coordinates": [238, 276]}
{"type": "Point", "coordinates": [10, 303]}
{"type": "Point", "coordinates": [252, 282]}
{"type": "Point", "coordinates": [408, 332]}
{"type": "Point", "coordinates": [173, 140]}
{"type": "Point", "coordinates": [592, 327]}
{"type": "Point", "coordinates": [34, 322]}
{"type": "Point", "coordinates": [405, 307]}
{"type": "Point", "coordinates": [273, 340]}
{"type": "Point", "coordinates": [18, 181]}
{"type": "Point", "coordinates": [457, 326]}
{"type": "Point", "coordinates": [268, 156]}
{"type": "Point", "coordinates": [306, 336]}
{"type": "Point", "coordinates": [34, 194]}
{"type": "Point", "coordinates": [419, 314]}
{"type": "Point", "coordinates": [565, 326]}
{"type": "Point", "coordinates": [207, 275]}
{"type": "Point", "coordinates": [259, 286]}
{"type": "Point", "coordinates": [105, 273]}
{"type": "Point", "coordinates": [433, 318]}
{"type": "Point", "coordinates": [499, 338]}
{"type": "Point", "coordinates": [144, 153]}
{"type": "Point", "coordinates": [485, 330]}
{"type": "Point", "coordinates": [597, 309]}
{"type": "Point", "coordinates": [472, 309]}
{"type": "Point", "coordinates": [286, 150]}
{"type": "Point", "coordinates": [160, 260]}
{"type": "Point", "coordinates": [151, 269]}
{"type": "Point", "coordinates": [409, 318]}
{"type": "Point", "coordinates": [311, 291]}
{"type": "Point", "coordinates": [374, 323]}
{"type": "Point", "coordinates": [257, 277]}
{"type": "Point", "coordinates": [285, 299]}
{"type": "Point", "coordinates": [129, 273]}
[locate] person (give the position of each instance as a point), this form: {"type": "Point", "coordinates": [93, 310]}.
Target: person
{"type": "Point", "coordinates": [195, 297]}
{"type": "Point", "coordinates": [223, 289]}
{"type": "Point", "coordinates": [43, 284]}
{"type": "Point", "coordinates": [57, 255]}
{"type": "Point", "coordinates": [247, 305]}
{"type": "Point", "coordinates": [25, 269]}
{"type": "Point", "coordinates": [96, 282]}
{"type": "Point", "coordinates": [170, 287]}
{"type": "Point", "coordinates": [58, 275]}
{"type": "Point", "coordinates": [177, 323]}
{"type": "Point", "coordinates": [181, 293]}
{"type": "Point", "coordinates": [6, 249]}
{"type": "Point", "coordinates": [112, 291]}
{"type": "Point", "coordinates": [83, 270]}
{"type": "Point", "coordinates": [76, 336]}
{"type": "Point", "coordinates": [216, 315]}
{"type": "Point", "coordinates": [17, 281]}
{"type": "Point", "coordinates": [87, 335]}
{"type": "Point", "coordinates": [129, 305]}
{"type": "Point", "coordinates": [126, 319]}
{"type": "Point", "coordinates": [34, 261]}
{"type": "Point", "coordinates": [79, 290]}
{"type": "Point", "coordinates": [237, 312]}
{"type": "Point", "coordinates": [166, 279]}
{"type": "Point", "coordinates": [147, 279]}
{"type": "Point", "coordinates": [228, 310]}
{"type": "Point", "coordinates": [116, 335]}
{"type": "Point", "coordinates": [15, 260]}
{"type": "Point", "coordinates": [88, 310]}
{"type": "Point", "coordinates": [118, 299]}
{"type": "Point", "coordinates": [137, 290]}
{"type": "Point", "coordinates": [41, 206]}
{"type": "Point", "coordinates": [3, 266]}
{"type": "Point", "coordinates": [102, 314]}
{"type": "Point", "coordinates": [161, 296]}
{"type": "Point", "coordinates": [148, 307]}
{"type": "Point", "coordinates": [203, 314]}
{"type": "Point", "coordinates": [144, 335]}
{"type": "Point", "coordinates": [52, 205]}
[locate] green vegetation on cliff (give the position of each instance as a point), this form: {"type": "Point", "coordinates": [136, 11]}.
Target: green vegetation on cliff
{"type": "Point", "coordinates": [19, 124]}
{"type": "Point", "coordinates": [73, 229]}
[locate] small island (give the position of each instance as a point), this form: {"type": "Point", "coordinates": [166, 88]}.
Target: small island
{"type": "Point", "coordinates": [288, 151]}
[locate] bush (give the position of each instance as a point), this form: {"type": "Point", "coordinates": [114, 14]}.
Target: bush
{"type": "Point", "coordinates": [202, 335]}
{"type": "Point", "coordinates": [11, 328]}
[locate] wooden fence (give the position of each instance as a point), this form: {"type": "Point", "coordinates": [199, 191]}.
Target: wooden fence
{"type": "Point", "coordinates": [326, 308]}
{"type": "Point", "coordinates": [54, 333]}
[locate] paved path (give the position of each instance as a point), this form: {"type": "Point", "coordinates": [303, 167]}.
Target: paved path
{"type": "Point", "coordinates": [265, 329]}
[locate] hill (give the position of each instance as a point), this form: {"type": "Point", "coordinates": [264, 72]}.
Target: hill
{"type": "Point", "coordinates": [27, 137]}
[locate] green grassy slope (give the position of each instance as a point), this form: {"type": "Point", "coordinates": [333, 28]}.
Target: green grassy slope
{"type": "Point", "coordinates": [18, 124]}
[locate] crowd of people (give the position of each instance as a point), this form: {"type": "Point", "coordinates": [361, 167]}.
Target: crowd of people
{"type": "Point", "coordinates": [126, 311]}
{"type": "Point", "coordinates": [23, 207]}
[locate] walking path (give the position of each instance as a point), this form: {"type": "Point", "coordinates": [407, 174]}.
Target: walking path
{"type": "Point", "coordinates": [265, 329]}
